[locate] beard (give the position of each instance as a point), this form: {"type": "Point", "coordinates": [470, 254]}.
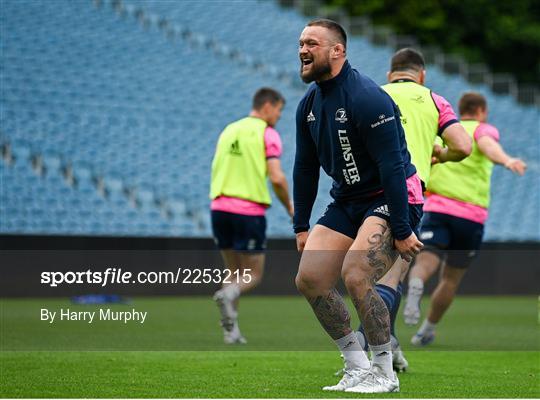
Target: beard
{"type": "Point", "coordinates": [316, 72]}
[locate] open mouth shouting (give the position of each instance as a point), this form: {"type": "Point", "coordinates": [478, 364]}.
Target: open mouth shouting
{"type": "Point", "coordinates": [306, 62]}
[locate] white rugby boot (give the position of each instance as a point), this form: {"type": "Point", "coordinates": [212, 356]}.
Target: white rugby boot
{"type": "Point", "coordinates": [234, 336]}
{"type": "Point", "coordinates": [228, 316]}
{"type": "Point", "coordinates": [399, 362]}
{"type": "Point", "coordinates": [376, 381]}
{"type": "Point", "coordinates": [423, 339]}
{"type": "Point", "coordinates": [350, 378]}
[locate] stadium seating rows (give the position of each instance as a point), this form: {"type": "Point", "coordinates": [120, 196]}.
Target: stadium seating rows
{"type": "Point", "coordinates": [132, 110]}
{"type": "Point", "coordinates": [51, 206]}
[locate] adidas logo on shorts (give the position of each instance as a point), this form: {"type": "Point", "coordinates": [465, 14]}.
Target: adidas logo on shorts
{"type": "Point", "coordinates": [382, 210]}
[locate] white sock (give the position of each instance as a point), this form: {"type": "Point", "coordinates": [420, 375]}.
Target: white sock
{"type": "Point", "coordinates": [236, 329]}
{"type": "Point", "coordinates": [362, 339]}
{"type": "Point", "coordinates": [427, 327]}
{"type": "Point", "coordinates": [415, 289]}
{"type": "Point", "coordinates": [232, 291]}
{"type": "Point", "coordinates": [352, 352]}
{"type": "Point", "coordinates": [381, 356]}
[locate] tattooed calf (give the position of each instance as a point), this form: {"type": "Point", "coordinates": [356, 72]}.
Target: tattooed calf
{"type": "Point", "coordinates": [332, 314]}
{"type": "Point", "coordinates": [375, 317]}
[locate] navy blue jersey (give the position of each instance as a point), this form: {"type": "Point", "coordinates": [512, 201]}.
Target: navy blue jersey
{"type": "Point", "coordinates": [350, 127]}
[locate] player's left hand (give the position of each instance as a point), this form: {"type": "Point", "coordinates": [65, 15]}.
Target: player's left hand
{"type": "Point", "coordinates": [409, 247]}
{"type": "Point", "coordinates": [516, 165]}
{"type": "Point", "coordinates": [290, 209]}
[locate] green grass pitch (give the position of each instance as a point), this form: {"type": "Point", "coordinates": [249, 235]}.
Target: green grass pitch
{"type": "Point", "coordinates": [485, 347]}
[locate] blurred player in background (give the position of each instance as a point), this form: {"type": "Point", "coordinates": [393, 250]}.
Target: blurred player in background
{"type": "Point", "coordinates": [455, 212]}
{"type": "Point", "coordinates": [350, 127]}
{"type": "Point", "coordinates": [247, 152]}
{"type": "Point", "coordinates": [425, 116]}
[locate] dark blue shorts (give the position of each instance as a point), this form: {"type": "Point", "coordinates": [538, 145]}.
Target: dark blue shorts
{"type": "Point", "coordinates": [239, 232]}
{"type": "Point", "coordinates": [456, 239]}
{"type": "Point", "coordinates": [347, 217]}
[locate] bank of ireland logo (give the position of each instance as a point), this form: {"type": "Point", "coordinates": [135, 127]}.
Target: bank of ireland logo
{"type": "Point", "coordinates": [382, 119]}
{"type": "Point", "coordinates": [341, 115]}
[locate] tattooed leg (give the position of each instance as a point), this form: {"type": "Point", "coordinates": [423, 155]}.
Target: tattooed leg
{"type": "Point", "coordinates": [375, 317]}
{"type": "Point", "coordinates": [370, 257]}
{"type": "Point", "coordinates": [319, 270]}
{"type": "Point", "coordinates": [332, 313]}
{"type": "Point", "coordinates": [336, 321]}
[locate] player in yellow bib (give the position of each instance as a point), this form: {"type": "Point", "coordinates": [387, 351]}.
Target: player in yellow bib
{"type": "Point", "coordinates": [455, 212]}
{"type": "Point", "coordinates": [425, 117]}
{"type": "Point", "coordinates": [247, 153]}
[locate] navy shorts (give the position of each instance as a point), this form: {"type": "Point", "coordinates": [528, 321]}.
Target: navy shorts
{"type": "Point", "coordinates": [347, 217]}
{"type": "Point", "coordinates": [239, 232]}
{"type": "Point", "coordinates": [456, 239]}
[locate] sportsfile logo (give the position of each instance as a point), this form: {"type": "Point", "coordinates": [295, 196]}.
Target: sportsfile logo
{"type": "Point", "coordinates": [119, 276]}
{"type": "Point", "coordinates": [383, 119]}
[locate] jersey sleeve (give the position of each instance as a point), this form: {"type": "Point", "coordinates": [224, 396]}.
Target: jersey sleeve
{"type": "Point", "coordinates": [305, 173]}
{"type": "Point", "coordinates": [377, 119]}
{"type": "Point", "coordinates": [447, 116]}
{"type": "Point", "coordinates": [486, 130]}
{"type": "Point", "coordinates": [272, 143]}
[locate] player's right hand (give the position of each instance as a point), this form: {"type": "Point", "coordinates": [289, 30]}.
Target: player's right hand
{"type": "Point", "coordinates": [437, 154]}
{"type": "Point", "coordinates": [409, 247]}
{"type": "Point", "coordinates": [301, 239]}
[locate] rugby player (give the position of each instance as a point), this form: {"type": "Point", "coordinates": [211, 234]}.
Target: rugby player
{"type": "Point", "coordinates": [456, 211]}
{"type": "Point", "coordinates": [247, 152]}
{"type": "Point", "coordinates": [425, 116]}
{"type": "Point", "coordinates": [350, 127]}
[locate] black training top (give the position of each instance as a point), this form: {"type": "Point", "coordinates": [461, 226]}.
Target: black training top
{"type": "Point", "coordinates": [350, 127]}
